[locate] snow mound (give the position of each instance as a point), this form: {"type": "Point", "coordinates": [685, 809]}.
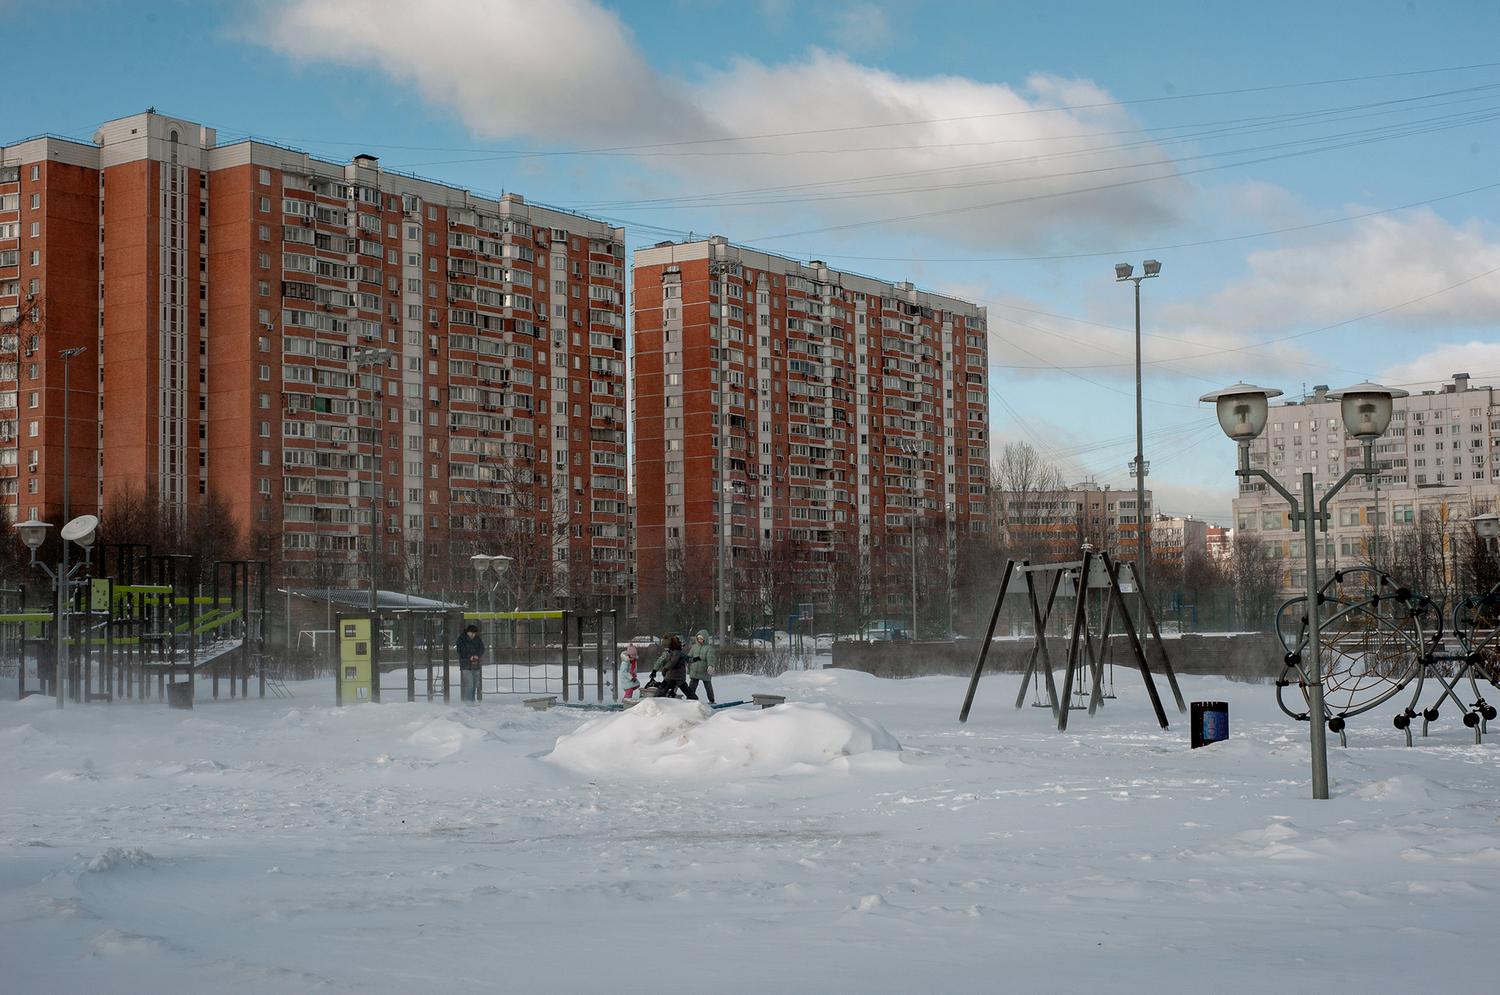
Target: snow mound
{"type": "Point", "coordinates": [118, 857]}
{"type": "Point", "coordinates": [443, 737]}
{"type": "Point", "coordinates": [686, 739]}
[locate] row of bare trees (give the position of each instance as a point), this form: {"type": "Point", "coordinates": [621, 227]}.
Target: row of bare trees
{"type": "Point", "coordinates": [1032, 515]}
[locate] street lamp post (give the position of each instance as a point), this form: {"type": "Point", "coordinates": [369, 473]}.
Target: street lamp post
{"type": "Point", "coordinates": [33, 533]}
{"type": "Point", "coordinates": [364, 359]}
{"type": "Point", "coordinates": [1123, 272]}
{"type": "Point", "coordinates": [483, 563]}
{"type": "Point", "coordinates": [1366, 409]}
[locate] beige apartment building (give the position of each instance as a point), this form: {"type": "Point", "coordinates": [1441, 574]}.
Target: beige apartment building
{"type": "Point", "coordinates": [1439, 464]}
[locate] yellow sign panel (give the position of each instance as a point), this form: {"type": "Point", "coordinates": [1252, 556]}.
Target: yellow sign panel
{"type": "Point", "coordinates": [353, 683]}
{"type": "Point", "coordinates": [99, 594]}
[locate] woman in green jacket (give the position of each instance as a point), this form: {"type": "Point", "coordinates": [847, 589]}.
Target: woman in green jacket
{"type": "Point", "coordinates": [701, 660]}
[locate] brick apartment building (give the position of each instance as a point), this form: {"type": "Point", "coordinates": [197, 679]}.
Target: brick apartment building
{"type": "Point", "coordinates": [230, 299]}
{"type": "Point", "coordinates": [833, 419]}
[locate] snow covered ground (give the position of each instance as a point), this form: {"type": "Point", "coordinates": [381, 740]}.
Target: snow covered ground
{"type": "Point", "coordinates": [292, 846]}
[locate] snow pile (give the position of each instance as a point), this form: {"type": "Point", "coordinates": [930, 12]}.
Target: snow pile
{"type": "Point", "coordinates": [668, 738]}
{"type": "Point", "coordinates": [117, 857]}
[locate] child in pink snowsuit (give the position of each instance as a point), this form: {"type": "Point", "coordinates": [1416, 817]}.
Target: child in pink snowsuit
{"type": "Point", "coordinates": [629, 682]}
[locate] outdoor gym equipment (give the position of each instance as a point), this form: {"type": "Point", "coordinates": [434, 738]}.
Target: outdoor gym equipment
{"type": "Point", "coordinates": [138, 622]}
{"type": "Point", "coordinates": [1089, 636]}
{"type": "Point", "coordinates": [526, 652]}
{"type": "Point", "coordinates": [1380, 638]}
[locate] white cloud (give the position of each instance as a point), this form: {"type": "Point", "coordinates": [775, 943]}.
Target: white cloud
{"type": "Point", "coordinates": [1425, 372]}
{"type": "Point", "coordinates": [564, 69]}
{"type": "Point", "coordinates": [1370, 265]}
{"type": "Point", "coordinates": [569, 71]}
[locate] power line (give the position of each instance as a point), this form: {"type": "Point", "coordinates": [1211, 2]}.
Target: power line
{"type": "Point", "coordinates": [720, 198]}
{"type": "Point", "coordinates": [1060, 108]}
{"type": "Point", "coordinates": [1173, 245]}
{"type": "Point", "coordinates": [1115, 185]}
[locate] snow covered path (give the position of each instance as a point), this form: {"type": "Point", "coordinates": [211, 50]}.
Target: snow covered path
{"type": "Point", "coordinates": [290, 846]}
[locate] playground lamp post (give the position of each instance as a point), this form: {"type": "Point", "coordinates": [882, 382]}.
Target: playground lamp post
{"type": "Point", "coordinates": [482, 564]}
{"type": "Point", "coordinates": [364, 359]}
{"type": "Point", "coordinates": [1123, 272]}
{"type": "Point", "coordinates": [33, 533]}
{"type": "Point", "coordinates": [1366, 409]}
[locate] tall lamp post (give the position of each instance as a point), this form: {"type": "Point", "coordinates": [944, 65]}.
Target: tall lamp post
{"type": "Point", "coordinates": [365, 359]}
{"type": "Point", "coordinates": [483, 564]}
{"type": "Point", "coordinates": [1123, 272]}
{"type": "Point", "coordinates": [33, 533]}
{"type": "Point", "coordinates": [1366, 409]}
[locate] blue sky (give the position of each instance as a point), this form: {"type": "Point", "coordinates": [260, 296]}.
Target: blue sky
{"type": "Point", "coordinates": [992, 131]}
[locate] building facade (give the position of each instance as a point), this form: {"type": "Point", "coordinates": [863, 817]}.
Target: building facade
{"type": "Point", "coordinates": [1052, 525]}
{"type": "Point", "coordinates": [1178, 539]}
{"type": "Point", "coordinates": [345, 356]}
{"type": "Point", "coordinates": [838, 424]}
{"type": "Point", "coordinates": [1439, 464]}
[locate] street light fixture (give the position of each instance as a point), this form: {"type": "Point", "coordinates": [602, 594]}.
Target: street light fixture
{"type": "Point", "coordinates": [81, 530]}
{"type": "Point", "coordinates": [1138, 469]}
{"type": "Point", "coordinates": [1366, 409]}
{"type": "Point", "coordinates": [483, 563]}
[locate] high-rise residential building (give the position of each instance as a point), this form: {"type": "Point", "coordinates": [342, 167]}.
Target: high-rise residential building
{"type": "Point", "coordinates": [334, 350]}
{"type": "Point", "coordinates": [1439, 464]}
{"type": "Point", "coordinates": [1050, 524]}
{"type": "Point", "coordinates": [836, 422]}
{"type": "Point", "coordinates": [1178, 539]}
{"type": "Point", "coordinates": [1218, 542]}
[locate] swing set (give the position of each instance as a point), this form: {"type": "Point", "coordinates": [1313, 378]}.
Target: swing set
{"type": "Point", "coordinates": [1099, 604]}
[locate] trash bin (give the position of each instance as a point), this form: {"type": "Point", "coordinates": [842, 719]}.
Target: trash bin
{"type": "Point", "coordinates": [1210, 720]}
{"type": "Point", "coordinates": [180, 694]}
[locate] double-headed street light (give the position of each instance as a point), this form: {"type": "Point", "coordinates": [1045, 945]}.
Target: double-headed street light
{"type": "Point", "coordinates": [1123, 272]}
{"type": "Point", "coordinates": [81, 530]}
{"type": "Point", "coordinates": [483, 564]}
{"type": "Point", "coordinates": [1366, 409]}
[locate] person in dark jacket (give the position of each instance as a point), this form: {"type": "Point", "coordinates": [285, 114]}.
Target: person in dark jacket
{"type": "Point", "coordinates": [673, 665]}
{"type": "Point", "coordinates": [470, 651]}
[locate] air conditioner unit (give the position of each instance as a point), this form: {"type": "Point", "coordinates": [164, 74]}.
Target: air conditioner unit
{"type": "Point", "coordinates": [31, 467]}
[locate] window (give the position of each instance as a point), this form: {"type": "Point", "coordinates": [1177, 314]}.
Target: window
{"type": "Point", "coordinates": [263, 177]}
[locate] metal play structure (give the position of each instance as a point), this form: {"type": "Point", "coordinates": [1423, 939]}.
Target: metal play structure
{"type": "Point", "coordinates": [135, 631]}
{"type": "Point", "coordinates": [560, 652]}
{"type": "Point", "coordinates": [1099, 604]}
{"type": "Point", "coordinates": [1380, 638]}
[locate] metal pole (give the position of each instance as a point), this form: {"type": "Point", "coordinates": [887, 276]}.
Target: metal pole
{"type": "Point", "coordinates": [60, 624]}
{"type": "Point", "coordinates": [1319, 738]}
{"type": "Point", "coordinates": [1140, 458]}
{"type": "Point", "coordinates": [913, 574]}
{"type": "Point", "coordinates": [374, 510]}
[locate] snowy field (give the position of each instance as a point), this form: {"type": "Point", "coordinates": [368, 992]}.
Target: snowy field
{"type": "Point", "coordinates": [292, 846]}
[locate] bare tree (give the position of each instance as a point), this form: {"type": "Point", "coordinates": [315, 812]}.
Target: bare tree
{"type": "Point", "coordinates": [1028, 495]}
{"type": "Point", "coordinates": [1256, 578]}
